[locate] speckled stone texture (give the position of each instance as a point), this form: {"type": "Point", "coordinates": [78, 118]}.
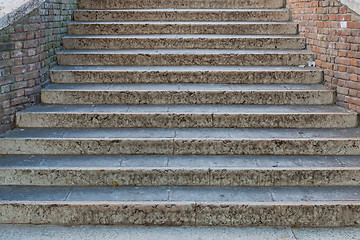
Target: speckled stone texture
{"type": "Point", "coordinates": [183, 119]}
{"type": "Point", "coordinates": [273, 15]}
{"type": "Point", "coordinates": [183, 113]}
{"type": "Point", "coordinates": [184, 42]}
{"type": "Point", "coordinates": [194, 74]}
{"type": "Point", "coordinates": [172, 57]}
{"type": "Point", "coordinates": [310, 214]}
{"type": "Point", "coordinates": [212, 4]}
{"type": "Point", "coordinates": [181, 145]}
{"type": "Point", "coordinates": [167, 176]}
{"type": "Point", "coordinates": [238, 28]}
{"type": "Point", "coordinates": [178, 97]}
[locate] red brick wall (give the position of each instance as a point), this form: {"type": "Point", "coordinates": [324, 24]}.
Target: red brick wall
{"type": "Point", "coordinates": [27, 52]}
{"type": "Point", "coordinates": [332, 31]}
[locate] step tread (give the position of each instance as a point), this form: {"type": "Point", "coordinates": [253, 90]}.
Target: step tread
{"type": "Point", "coordinates": [167, 134]}
{"type": "Point", "coordinates": [187, 10]}
{"type": "Point", "coordinates": [186, 51]}
{"type": "Point", "coordinates": [182, 36]}
{"type": "Point", "coordinates": [102, 68]}
{"type": "Point", "coordinates": [186, 194]}
{"type": "Point", "coordinates": [120, 162]}
{"type": "Point", "coordinates": [186, 87]}
{"type": "Point", "coordinates": [180, 23]}
{"type": "Point", "coordinates": [188, 109]}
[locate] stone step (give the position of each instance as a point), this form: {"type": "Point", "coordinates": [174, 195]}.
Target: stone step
{"type": "Point", "coordinates": [272, 15]}
{"type": "Point", "coordinates": [229, 206]}
{"type": "Point", "coordinates": [212, 4]}
{"type": "Point", "coordinates": [185, 41]}
{"type": "Point", "coordinates": [180, 161]}
{"type": "Point", "coordinates": [163, 94]}
{"type": "Point", "coordinates": [181, 141]}
{"type": "Point", "coordinates": [244, 171]}
{"type": "Point", "coordinates": [185, 74]}
{"type": "Point", "coordinates": [165, 57]}
{"type": "Point", "coordinates": [153, 27]}
{"type": "Point", "coordinates": [174, 116]}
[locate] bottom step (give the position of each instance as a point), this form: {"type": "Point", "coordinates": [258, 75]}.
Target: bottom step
{"type": "Point", "coordinates": [230, 206]}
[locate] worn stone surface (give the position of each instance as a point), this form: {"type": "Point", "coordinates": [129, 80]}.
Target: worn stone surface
{"type": "Point", "coordinates": [238, 28]}
{"type": "Point", "coordinates": [184, 176]}
{"type": "Point", "coordinates": [192, 95]}
{"type": "Point", "coordinates": [179, 161]}
{"type": "Point", "coordinates": [172, 57]}
{"type": "Point", "coordinates": [226, 4]}
{"type": "Point", "coordinates": [183, 15]}
{"type": "Point", "coordinates": [215, 144]}
{"type": "Point", "coordinates": [183, 42]}
{"type": "Point", "coordinates": [314, 214]}
{"type": "Point", "coordinates": [44, 232]}
{"type": "Point", "coordinates": [176, 143]}
{"type": "Point", "coordinates": [184, 119]}
{"type": "Point", "coordinates": [188, 74]}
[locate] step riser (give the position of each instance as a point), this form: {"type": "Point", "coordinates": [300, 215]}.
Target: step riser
{"type": "Point", "coordinates": [173, 15]}
{"type": "Point", "coordinates": [179, 177]}
{"type": "Point", "coordinates": [187, 97]}
{"type": "Point", "coordinates": [313, 214]}
{"type": "Point", "coordinates": [184, 28]}
{"type": "Point", "coordinates": [181, 146]}
{"type": "Point", "coordinates": [265, 77]}
{"type": "Point", "coordinates": [181, 43]}
{"type": "Point", "coordinates": [184, 120]}
{"type": "Point", "coordinates": [216, 59]}
{"type": "Point", "coordinates": [213, 4]}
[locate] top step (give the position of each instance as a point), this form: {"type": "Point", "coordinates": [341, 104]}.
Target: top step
{"type": "Point", "coordinates": [211, 4]}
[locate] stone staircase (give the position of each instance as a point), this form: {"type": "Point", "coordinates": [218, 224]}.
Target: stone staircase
{"type": "Point", "coordinates": [193, 112]}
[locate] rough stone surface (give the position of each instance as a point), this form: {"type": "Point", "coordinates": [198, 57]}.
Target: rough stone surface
{"type": "Point", "coordinates": [188, 74]}
{"type": "Point", "coordinates": [315, 214]}
{"type": "Point", "coordinates": [196, 114]}
{"type": "Point", "coordinates": [223, 4]}
{"type": "Point", "coordinates": [239, 28]}
{"type": "Point", "coordinates": [171, 94]}
{"type": "Point", "coordinates": [183, 42]}
{"type": "Point", "coordinates": [165, 176]}
{"type": "Point", "coordinates": [172, 57]}
{"type": "Point", "coordinates": [44, 232]}
{"type": "Point", "coordinates": [200, 116]}
{"type": "Point", "coordinates": [210, 141]}
{"type": "Point", "coordinates": [270, 15]}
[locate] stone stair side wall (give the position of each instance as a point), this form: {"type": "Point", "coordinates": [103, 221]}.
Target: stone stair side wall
{"type": "Point", "coordinates": [332, 31]}
{"type": "Point", "coordinates": [28, 49]}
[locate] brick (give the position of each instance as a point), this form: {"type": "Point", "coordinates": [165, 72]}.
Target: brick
{"type": "Point", "coordinates": [354, 25]}
{"type": "Point", "coordinates": [344, 61]}
{"type": "Point", "coordinates": [354, 54]}
{"type": "Point", "coordinates": [355, 85]}
{"type": "Point", "coordinates": [18, 69]}
{"type": "Point", "coordinates": [31, 43]}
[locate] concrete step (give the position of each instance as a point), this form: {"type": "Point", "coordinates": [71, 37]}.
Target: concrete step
{"type": "Point", "coordinates": [272, 15]}
{"type": "Point", "coordinates": [180, 94]}
{"type": "Point", "coordinates": [173, 116]}
{"type": "Point", "coordinates": [180, 161]}
{"type": "Point", "coordinates": [212, 4]}
{"type": "Point", "coordinates": [158, 170]}
{"type": "Point", "coordinates": [182, 27]}
{"type": "Point", "coordinates": [185, 41]}
{"type": "Point", "coordinates": [229, 206]}
{"type": "Point", "coordinates": [185, 74]}
{"type": "Point", "coordinates": [32, 232]}
{"type": "Point", "coordinates": [181, 141]}
{"type": "Point", "coordinates": [175, 57]}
